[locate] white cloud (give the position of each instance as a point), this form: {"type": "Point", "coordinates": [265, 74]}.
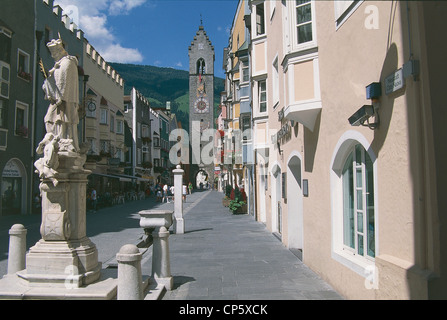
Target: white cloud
{"type": "Point", "coordinates": [179, 64]}
{"type": "Point", "coordinates": [118, 7]}
{"type": "Point", "coordinates": [91, 16]}
{"type": "Point", "coordinates": [95, 28]}
{"type": "Point", "coordinates": [116, 53]}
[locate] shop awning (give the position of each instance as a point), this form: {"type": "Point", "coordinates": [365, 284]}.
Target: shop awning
{"type": "Point", "coordinates": [124, 178]}
{"type": "Point", "coordinates": [104, 175]}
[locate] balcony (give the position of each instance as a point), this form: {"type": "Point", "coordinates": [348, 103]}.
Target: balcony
{"type": "Point", "coordinates": [305, 113]}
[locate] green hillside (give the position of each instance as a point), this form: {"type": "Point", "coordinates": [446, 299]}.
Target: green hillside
{"type": "Point", "coordinates": [164, 84]}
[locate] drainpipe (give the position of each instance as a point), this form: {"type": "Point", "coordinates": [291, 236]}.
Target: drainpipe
{"type": "Point", "coordinates": [37, 40]}
{"type": "Point", "coordinates": [134, 130]}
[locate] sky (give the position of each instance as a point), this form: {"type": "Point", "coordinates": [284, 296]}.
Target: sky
{"type": "Point", "coordinates": [152, 32]}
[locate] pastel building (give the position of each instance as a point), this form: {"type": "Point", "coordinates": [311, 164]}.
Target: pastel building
{"type": "Point", "coordinates": [348, 140]}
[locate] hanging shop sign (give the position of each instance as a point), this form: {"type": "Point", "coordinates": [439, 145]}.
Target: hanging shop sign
{"type": "Point", "coordinates": [285, 130]}
{"type": "Point", "coordinates": [11, 170]}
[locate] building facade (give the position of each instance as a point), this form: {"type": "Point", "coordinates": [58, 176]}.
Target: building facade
{"type": "Point", "coordinates": [17, 105]}
{"type": "Point", "coordinates": [27, 26]}
{"type": "Point", "coordinates": [238, 101]}
{"type": "Point", "coordinates": [347, 139]}
{"type": "Point", "coordinates": [103, 122]}
{"type": "Point", "coordinates": [137, 114]}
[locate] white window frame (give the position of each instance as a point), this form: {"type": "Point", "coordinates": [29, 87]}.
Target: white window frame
{"type": "Point", "coordinates": [112, 123]}
{"type": "Point", "coordinates": [25, 108]}
{"type": "Point", "coordinates": [139, 155]}
{"type": "Point", "coordinates": [120, 154]}
{"type": "Point", "coordinates": [104, 116]}
{"type": "Point", "coordinates": [275, 82]}
{"type": "Point", "coordinates": [93, 149]}
{"type": "Point", "coordinates": [343, 9]}
{"type": "Point", "coordinates": [359, 194]}
{"type": "Point", "coordinates": [26, 56]}
{"type": "Point", "coordinates": [295, 46]}
{"type": "Point", "coordinates": [254, 21]}
{"type": "Point", "coordinates": [119, 126]}
{"type": "Point", "coordinates": [4, 81]}
{"type": "Point", "coordinates": [272, 9]}
{"type": "Point", "coordinates": [245, 70]}
{"type": "Point", "coordinates": [105, 146]}
{"type": "Point", "coordinates": [145, 131]}
{"type": "Point", "coordinates": [3, 106]}
{"type": "Point", "coordinates": [259, 97]}
{"type": "Point", "coordinates": [355, 262]}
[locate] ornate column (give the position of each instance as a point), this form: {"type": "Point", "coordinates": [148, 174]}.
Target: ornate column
{"type": "Point", "coordinates": [65, 256]}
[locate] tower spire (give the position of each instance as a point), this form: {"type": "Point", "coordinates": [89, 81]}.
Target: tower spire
{"type": "Point", "coordinates": [201, 20]}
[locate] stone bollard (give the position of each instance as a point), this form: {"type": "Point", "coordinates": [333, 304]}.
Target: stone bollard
{"type": "Point", "coordinates": [17, 248]}
{"type": "Point", "coordinates": [129, 273]}
{"type": "Point", "coordinates": [161, 265]}
{"type": "Point", "coordinates": [179, 223]}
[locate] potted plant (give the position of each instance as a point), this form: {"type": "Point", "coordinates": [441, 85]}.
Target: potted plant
{"type": "Point", "coordinates": [237, 206]}
{"type": "Point", "coordinates": [226, 199]}
{"type": "Point", "coordinates": [237, 203]}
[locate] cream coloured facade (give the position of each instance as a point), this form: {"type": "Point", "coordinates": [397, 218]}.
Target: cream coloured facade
{"type": "Point", "coordinates": [103, 124]}
{"type": "Point", "coordinates": [361, 204]}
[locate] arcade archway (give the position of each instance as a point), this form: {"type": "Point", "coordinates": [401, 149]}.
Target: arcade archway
{"type": "Point", "coordinates": [202, 180]}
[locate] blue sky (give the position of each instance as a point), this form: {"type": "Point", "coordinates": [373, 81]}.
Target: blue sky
{"type": "Point", "coordinates": [152, 32]}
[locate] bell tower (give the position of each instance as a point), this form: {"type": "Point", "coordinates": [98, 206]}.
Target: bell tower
{"type": "Point", "coordinates": [201, 103]}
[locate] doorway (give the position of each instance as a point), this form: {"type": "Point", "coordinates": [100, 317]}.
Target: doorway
{"type": "Point", "coordinates": [295, 203]}
{"type": "Point", "coordinates": [13, 188]}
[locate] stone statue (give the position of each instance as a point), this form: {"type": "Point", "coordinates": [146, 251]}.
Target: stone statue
{"type": "Point", "coordinates": [61, 88]}
{"type": "Point", "coordinates": [46, 166]}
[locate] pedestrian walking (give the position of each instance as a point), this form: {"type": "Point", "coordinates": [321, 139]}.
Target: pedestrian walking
{"type": "Point", "coordinates": [94, 199]}
{"type": "Point", "coordinates": [172, 191]}
{"type": "Point", "coordinates": [165, 193]}
{"type": "Point", "coordinates": [190, 188]}
{"type": "Point", "coordinates": [185, 191]}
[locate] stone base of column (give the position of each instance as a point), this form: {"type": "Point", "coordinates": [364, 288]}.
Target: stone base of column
{"type": "Point", "coordinates": [167, 282]}
{"type": "Point", "coordinates": [68, 264]}
{"type": "Point", "coordinates": [12, 288]}
{"type": "Point", "coordinates": [179, 225]}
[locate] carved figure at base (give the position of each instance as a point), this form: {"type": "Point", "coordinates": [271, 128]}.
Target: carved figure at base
{"type": "Point", "coordinates": [46, 166]}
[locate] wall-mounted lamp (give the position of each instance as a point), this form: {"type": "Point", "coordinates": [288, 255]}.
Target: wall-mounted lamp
{"type": "Point", "coordinates": [374, 91]}
{"type": "Point", "coordinates": [362, 116]}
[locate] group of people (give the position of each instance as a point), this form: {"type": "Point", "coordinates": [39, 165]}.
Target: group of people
{"type": "Point", "coordinates": [165, 193]}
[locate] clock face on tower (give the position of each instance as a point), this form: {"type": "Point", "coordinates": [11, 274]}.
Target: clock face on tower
{"type": "Point", "coordinates": [201, 105]}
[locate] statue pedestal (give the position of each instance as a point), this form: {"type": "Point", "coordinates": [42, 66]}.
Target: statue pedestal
{"type": "Point", "coordinates": [64, 257]}
{"type": "Point", "coordinates": [64, 263]}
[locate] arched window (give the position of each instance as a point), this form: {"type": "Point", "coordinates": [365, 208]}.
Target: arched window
{"type": "Point", "coordinates": [354, 203]}
{"type": "Point", "coordinates": [201, 66]}
{"type": "Point", "coordinates": [358, 203]}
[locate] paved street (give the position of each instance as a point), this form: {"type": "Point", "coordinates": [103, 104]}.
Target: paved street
{"type": "Point", "coordinates": [233, 257]}
{"type": "Point", "coordinates": [220, 256]}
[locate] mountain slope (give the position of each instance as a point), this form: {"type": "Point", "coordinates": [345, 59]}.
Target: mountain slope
{"type": "Point", "coordinates": [164, 84]}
